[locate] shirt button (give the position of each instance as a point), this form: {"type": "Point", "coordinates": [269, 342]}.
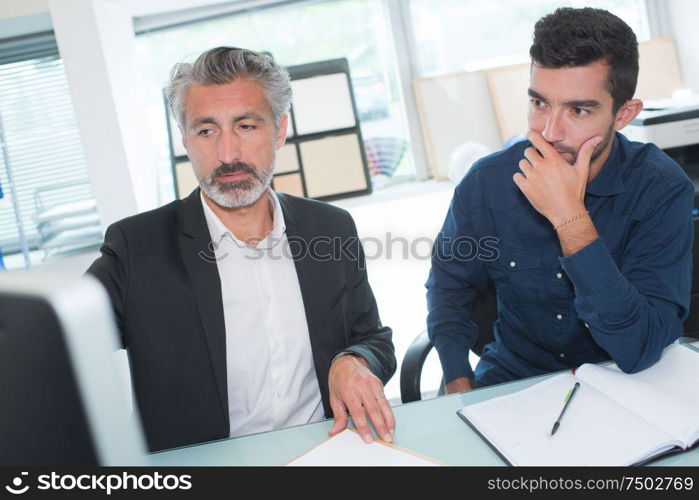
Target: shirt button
{"type": "Point", "coordinates": [587, 326]}
{"type": "Point", "coordinates": [559, 316]}
{"type": "Point", "coordinates": [559, 275]}
{"type": "Point", "coordinates": [513, 263]}
{"type": "Point", "coordinates": [276, 347]}
{"type": "Point", "coordinates": [279, 394]}
{"type": "Point", "coordinates": [562, 355]}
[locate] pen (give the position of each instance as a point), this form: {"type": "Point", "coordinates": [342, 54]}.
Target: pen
{"type": "Point", "coordinates": [569, 396]}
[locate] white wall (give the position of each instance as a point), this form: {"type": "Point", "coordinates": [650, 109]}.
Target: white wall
{"type": "Point", "coordinates": [96, 41]}
{"type": "Point", "coordinates": [684, 22]}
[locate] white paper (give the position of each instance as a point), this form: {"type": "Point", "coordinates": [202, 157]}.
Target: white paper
{"type": "Point", "coordinates": [348, 449]}
{"type": "Point", "coordinates": [666, 394]}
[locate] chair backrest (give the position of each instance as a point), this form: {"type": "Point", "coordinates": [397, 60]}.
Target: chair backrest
{"type": "Point", "coordinates": [484, 313]}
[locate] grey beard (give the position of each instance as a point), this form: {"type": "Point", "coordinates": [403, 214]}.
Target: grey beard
{"type": "Point", "coordinates": [238, 194]}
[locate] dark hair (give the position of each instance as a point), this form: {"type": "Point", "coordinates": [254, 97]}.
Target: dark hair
{"type": "Point", "coordinates": [577, 37]}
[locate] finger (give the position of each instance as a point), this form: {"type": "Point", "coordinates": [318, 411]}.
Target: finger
{"type": "Point", "coordinates": [386, 413]}
{"type": "Point", "coordinates": [526, 167]}
{"type": "Point", "coordinates": [545, 149]}
{"type": "Point", "coordinates": [359, 418]}
{"type": "Point", "coordinates": [340, 415]}
{"type": "Point", "coordinates": [388, 418]}
{"type": "Point", "coordinates": [586, 151]}
{"type": "Point", "coordinates": [373, 411]}
{"type": "Point", "coordinates": [533, 156]}
{"type": "Point", "coordinates": [520, 180]}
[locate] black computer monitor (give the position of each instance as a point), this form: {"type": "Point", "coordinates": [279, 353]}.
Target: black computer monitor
{"type": "Point", "coordinates": [61, 401]}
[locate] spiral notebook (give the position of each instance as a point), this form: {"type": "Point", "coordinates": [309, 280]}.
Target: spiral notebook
{"type": "Point", "coordinates": [614, 418]}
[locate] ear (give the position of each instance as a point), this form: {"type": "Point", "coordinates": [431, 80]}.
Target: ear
{"type": "Point", "coordinates": [627, 113]}
{"type": "Point", "coordinates": [281, 133]}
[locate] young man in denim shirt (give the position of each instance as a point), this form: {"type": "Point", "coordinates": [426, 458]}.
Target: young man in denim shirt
{"type": "Point", "coordinates": [594, 232]}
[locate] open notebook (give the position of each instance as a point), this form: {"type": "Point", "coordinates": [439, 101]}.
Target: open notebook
{"type": "Point", "coordinates": [614, 418]}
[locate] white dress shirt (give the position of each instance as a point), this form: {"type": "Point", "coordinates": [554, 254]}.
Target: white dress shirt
{"type": "Point", "coordinates": [271, 378]}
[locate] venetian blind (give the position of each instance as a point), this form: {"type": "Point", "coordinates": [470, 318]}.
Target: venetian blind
{"type": "Point", "coordinates": [41, 148]}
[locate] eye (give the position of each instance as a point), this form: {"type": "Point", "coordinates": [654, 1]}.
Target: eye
{"type": "Point", "coordinates": [537, 103]}
{"type": "Point", "coordinates": [247, 126]}
{"type": "Point", "coordinates": [580, 112]}
{"type": "Point", "coordinates": [204, 132]}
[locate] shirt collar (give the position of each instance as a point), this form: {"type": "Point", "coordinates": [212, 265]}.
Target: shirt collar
{"type": "Point", "coordinates": [608, 181]}
{"type": "Point", "coordinates": [218, 229]}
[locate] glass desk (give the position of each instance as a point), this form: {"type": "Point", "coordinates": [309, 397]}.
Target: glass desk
{"type": "Point", "coordinates": [429, 427]}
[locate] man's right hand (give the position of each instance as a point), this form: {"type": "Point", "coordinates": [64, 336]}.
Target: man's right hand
{"type": "Point", "coordinates": [459, 385]}
{"type": "Point", "coordinates": [354, 389]}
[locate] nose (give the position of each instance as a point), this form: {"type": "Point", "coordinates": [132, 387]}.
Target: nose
{"type": "Point", "coordinates": [229, 148]}
{"type": "Point", "coordinates": [553, 131]}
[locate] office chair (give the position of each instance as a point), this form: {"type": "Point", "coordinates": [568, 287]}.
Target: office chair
{"type": "Point", "coordinates": [484, 314]}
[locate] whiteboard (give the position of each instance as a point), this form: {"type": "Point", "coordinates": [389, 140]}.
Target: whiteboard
{"type": "Point", "coordinates": [290, 183]}
{"type": "Point", "coordinates": [286, 159]}
{"type": "Point", "coordinates": [333, 165]}
{"type": "Point", "coordinates": [322, 103]}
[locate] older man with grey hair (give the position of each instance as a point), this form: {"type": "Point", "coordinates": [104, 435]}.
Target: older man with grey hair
{"type": "Point", "coordinates": [235, 319]}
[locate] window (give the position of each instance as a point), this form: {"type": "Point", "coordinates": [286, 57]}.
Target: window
{"type": "Point", "coordinates": [468, 35]}
{"type": "Point", "coordinates": [48, 207]}
{"type": "Point", "coordinates": [355, 29]}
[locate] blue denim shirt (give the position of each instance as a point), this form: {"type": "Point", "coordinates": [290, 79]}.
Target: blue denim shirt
{"type": "Point", "coordinates": [624, 296]}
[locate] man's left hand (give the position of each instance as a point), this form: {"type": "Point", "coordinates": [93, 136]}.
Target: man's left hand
{"type": "Point", "coordinates": [355, 389]}
{"type": "Point", "coordinates": [555, 188]}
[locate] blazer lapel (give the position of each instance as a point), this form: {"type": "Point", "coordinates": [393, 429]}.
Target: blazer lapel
{"type": "Point", "coordinates": [316, 303]}
{"type": "Point", "coordinates": [200, 263]}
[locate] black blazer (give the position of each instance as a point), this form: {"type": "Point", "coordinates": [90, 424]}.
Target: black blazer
{"type": "Point", "coordinates": [159, 270]}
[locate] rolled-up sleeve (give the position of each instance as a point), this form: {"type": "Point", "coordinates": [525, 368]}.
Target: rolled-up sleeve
{"type": "Point", "coordinates": [636, 308]}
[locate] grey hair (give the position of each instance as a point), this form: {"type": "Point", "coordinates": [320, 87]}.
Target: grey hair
{"type": "Point", "coordinates": [224, 65]}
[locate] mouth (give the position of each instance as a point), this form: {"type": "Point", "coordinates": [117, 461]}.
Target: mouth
{"type": "Point", "coordinates": [567, 156]}
{"type": "Point", "coordinates": [234, 177]}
